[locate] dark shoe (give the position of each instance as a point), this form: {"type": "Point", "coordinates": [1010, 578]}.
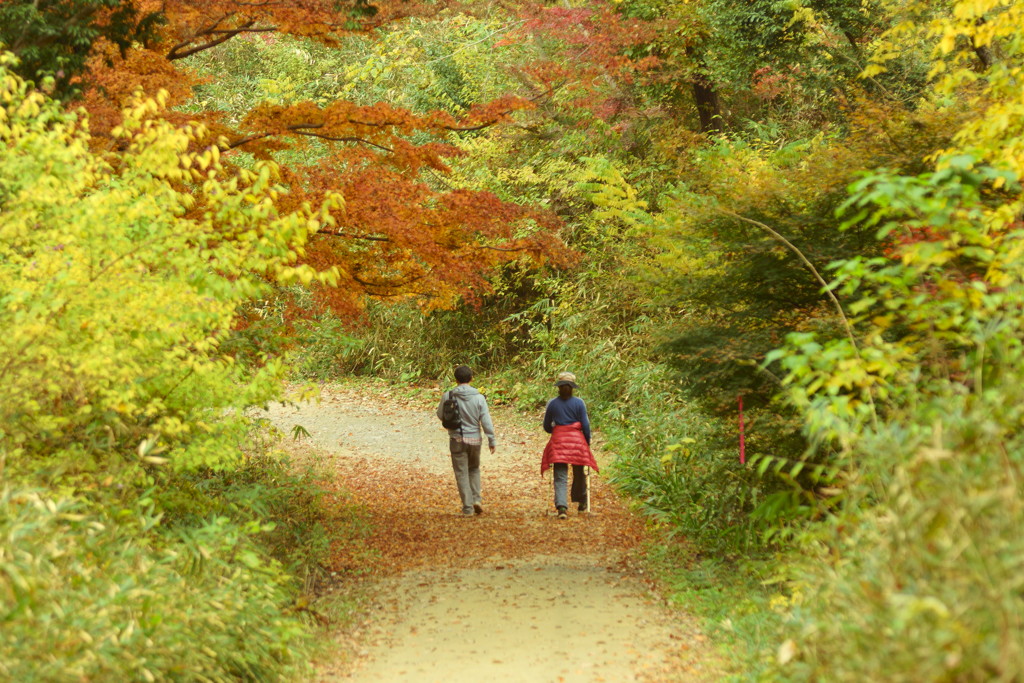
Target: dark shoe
{"type": "Point", "coordinates": [582, 508]}
{"type": "Point", "coordinates": [467, 513]}
{"type": "Point", "coordinates": [478, 508]}
{"type": "Point", "coordinates": [562, 512]}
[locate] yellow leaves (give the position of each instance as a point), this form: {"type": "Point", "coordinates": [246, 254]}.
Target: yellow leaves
{"type": "Point", "coordinates": [291, 275]}
{"type": "Point", "coordinates": [803, 14]}
{"type": "Point", "coordinates": [279, 91]}
{"type": "Point", "coordinates": [118, 287]}
{"type": "Point", "coordinates": [883, 322]}
{"type": "Point", "coordinates": [948, 42]}
{"type": "Point", "coordinates": [680, 449]}
{"type": "Point", "coordinates": [205, 160]}
{"type": "Point", "coordinates": [873, 69]}
{"type": "Point", "coordinates": [970, 10]}
{"type": "Point", "coordinates": [959, 37]}
{"type": "Point", "coordinates": [617, 200]}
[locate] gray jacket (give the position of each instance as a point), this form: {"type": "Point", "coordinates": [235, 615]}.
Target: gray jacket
{"type": "Point", "coordinates": [473, 411]}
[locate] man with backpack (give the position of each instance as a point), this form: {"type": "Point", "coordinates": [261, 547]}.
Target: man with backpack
{"type": "Point", "coordinates": [463, 412]}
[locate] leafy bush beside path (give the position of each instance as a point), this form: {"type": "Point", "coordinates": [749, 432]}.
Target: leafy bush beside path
{"type": "Point", "coordinates": [145, 532]}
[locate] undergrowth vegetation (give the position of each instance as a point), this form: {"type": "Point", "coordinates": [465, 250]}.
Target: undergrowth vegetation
{"type": "Point", "coordinates": [148, 529]}
{"type": "Point", "coordinates": [924, 409]}
{"type": "Point", "coordinates": [105, 589]}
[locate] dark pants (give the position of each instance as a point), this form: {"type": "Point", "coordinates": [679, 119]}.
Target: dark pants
{"type": "Point", "coordinates": [578, 493]}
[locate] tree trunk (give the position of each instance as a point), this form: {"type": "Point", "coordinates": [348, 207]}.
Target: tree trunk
{"type": "Point", "coordinates": [709, 108]}
{"type": "Point", "coordinates": [981, 51]}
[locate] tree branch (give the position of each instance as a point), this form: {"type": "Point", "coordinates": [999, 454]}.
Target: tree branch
{"type": "Point", "coordinates": [386, 285]}
{"type": "Point", "coordinates": [224, 35]}
{"type": "Point", "coordinates": [828, 290]}
{"type": "Point", "coordinates": [301, 130]}
{"type": "Point", "coordinates": [806, 262]}
{"type": "Point", "coordinates": [484, 246]}
{"type": "Point", "coordinates": [351, 235]}
{"type": "Point", "coordinates": [305, 129]}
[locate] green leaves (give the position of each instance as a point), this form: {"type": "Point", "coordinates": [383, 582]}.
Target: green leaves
{"type": "Point", "coordinates": [617, 201]}
{"type": "Point", "coordinates": [88, 593]}
{"type": "Point", "coordinates": [53, 39]}
{"type": "Point", "coordinates": [923, 416]}
{"type": "Point", "coordinates": [117, 288]}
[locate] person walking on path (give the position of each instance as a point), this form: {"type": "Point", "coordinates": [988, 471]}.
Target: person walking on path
{"type": "Point", "coordinates": [565, 419]}
{"type": "Point", "coordinates": [464, 441]}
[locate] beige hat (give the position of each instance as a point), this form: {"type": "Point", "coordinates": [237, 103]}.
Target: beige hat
{"type": "Point", "coordinates": [566, 378]}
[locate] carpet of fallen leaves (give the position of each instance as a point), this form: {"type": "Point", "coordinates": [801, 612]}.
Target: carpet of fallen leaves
{"type": "Point", "coordinates": [384, 456]}
{"type": "Point", "coordinates": [415, 512]}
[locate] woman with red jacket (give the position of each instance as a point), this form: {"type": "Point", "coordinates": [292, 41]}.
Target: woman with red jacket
{"type": "Point", "coordinates": [565, 419]}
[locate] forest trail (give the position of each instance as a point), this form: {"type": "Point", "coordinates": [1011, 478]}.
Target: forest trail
{"type": "Point", "coordinates": [514, 594]}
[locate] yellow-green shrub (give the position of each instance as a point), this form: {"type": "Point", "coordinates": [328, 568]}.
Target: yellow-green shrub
{"type": "Point", "coordinates": [120, 274]}
{"type": "Point", "coordinates": [122, 264]}
{"type": "Point", "coordinates": [919, 576]}
{"type": "Point", "coordinates": [93, 595]}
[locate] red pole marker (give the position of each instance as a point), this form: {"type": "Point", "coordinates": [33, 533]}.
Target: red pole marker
{"type": "Point", "coordinates": [743, 448]}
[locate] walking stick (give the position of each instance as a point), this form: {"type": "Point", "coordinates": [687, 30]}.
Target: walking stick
{"type": "Point", "coordinates": [588, 489]}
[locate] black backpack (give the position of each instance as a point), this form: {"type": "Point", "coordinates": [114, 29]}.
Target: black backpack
{"type": "Point", "coordinates": [450, 416]}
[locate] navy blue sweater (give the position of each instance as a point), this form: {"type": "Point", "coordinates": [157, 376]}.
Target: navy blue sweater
{"type": "Point", "coordinates": [565, 411]}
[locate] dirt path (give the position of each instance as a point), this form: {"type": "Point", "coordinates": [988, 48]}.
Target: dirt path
{"type": "Point", "coordinates": [512, 595]}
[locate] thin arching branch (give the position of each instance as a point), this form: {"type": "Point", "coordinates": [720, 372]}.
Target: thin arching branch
{"type": "Point", "coordinates": [484, 246]}
{"type": "Point", "coordinates": [181, 50]}
{"type": "Point", "coordinates": [828, 290]}
{"type": "Point", "coordinates": [806, 262]}
{"type": "Point", "coordinates": [303, 130]}
{"type": "Point", "coordinates": [386, 284]}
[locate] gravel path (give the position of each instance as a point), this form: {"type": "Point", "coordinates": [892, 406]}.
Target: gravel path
{"type": "Point", "coordinates": [512, 595]}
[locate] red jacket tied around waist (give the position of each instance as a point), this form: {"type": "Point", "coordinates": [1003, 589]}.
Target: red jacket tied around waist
{"type": "Point", "coordinates": [567, 444]}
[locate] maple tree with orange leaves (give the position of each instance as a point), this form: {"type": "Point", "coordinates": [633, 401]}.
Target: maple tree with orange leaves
{"type": "Point", "coordinates": [401, 232]}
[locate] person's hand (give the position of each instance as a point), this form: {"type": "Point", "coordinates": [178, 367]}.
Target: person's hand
{"type": "Point", "coordinates": [492, 450]}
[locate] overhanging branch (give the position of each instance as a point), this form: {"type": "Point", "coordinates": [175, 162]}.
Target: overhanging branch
{"type": "Point", "coordinates": [353, 236]}
{"type": "Point", "coordinates": [307, 129]}
{"type": "Point", "coordinates": [181, 50]}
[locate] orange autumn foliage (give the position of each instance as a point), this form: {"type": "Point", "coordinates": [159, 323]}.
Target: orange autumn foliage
{"type": "Point", "coordinates": [402, 231]}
